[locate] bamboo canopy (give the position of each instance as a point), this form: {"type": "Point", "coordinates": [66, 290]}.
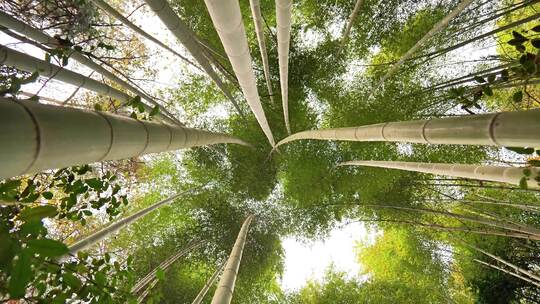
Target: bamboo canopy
{"type": "Point", "coordinates": [258, 21]}
{"type": "Point", "coordinates": [510, 175]}
{"type": "Point", "coordinates": [227, 20]}
{"type": "Point", "coordinates": [39, 36]}
{"type": "Point", "coordinates": [37, 137]}
{"type": "Point", "coordinates": [439, 26]}
{"type": "Point", "coordinates": [283, 19]}
{"type": "Point", "coordinates": [506, 129]}
{"type": "Point", "coordinates": [225, 289]}
{"type": "Point", "coordinates": [182, 32]}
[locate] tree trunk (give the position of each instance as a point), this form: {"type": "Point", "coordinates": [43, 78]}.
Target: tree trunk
{"type": "Point", "coordinates": [350, 23]}
{"type": "Point", "coordinates": [283, 19]}
{"type": "Point", "coordinates": [510, 175]}
{"type": "Point", "coordinates": [181, 31]}
{"type": "Point", "coordinates": [257, 20]}
{"type": "Point", "coordinates": [39, 36]}
{"type": "Point", "coordinates": [37, 137]}
{"type": "Point", "coordinates": [211, 281]}
{"type": "Point", "coordinates": [143, 282]}
{"type": "Point", "coordinates": [227, 20]}
{"type": "Point", "coordinates": [439, 26]}
{"type": "Point", "coordinates": [111, 11]}
{"type": "Point", "coordinates": [224, 291]}
{"type": "Point", "coordinates": [114, 227]}
{"type": "Point", "coordinates": [506, 129]}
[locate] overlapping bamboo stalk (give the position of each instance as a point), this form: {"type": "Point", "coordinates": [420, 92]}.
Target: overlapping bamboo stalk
{"type": "Point", "coordinates": [37, 137]}
{"type": "Point", "coordinates": [227, 20]}
{"type": "Point", "coordinates": [41, 37]}
{"type": "Point", "coordinates": [181, 31]}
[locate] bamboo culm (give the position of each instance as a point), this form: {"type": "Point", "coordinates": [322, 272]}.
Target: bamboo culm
{"type": "Point", "coordinates": [283, 20]}
{"type": "Point", "coordinates": [225, 289]}
{"type": "Point", "coordinates": [504, 129]}
{"type": "Point", "coordinates": [37, 137]}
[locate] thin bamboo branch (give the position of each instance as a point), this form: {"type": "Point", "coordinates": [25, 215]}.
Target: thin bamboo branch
{"type": "Point", "coordinates": [211, 281]}
{"type": "Point", "coordinates": [350, 23]}
{"type": "Point", "coordinates": [508, 272]}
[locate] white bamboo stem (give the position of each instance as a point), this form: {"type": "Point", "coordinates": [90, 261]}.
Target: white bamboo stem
{"type": "Point", "coordinates": [111, 11]}
{"type": "Point", "coordinates": [200, 296]}
{"type": "Point", "coordinates": [350, 23]}
{"type": "Point", "coordinates": [257, 20]}
{"type": "Point", "coordinates": [37, 137]}
{"type": "Point", "coordinates": [227, 20]}
{"type": "Point", "coordinates": [506, 129]}
{"type": "Point", "coordinates": [510, 175]}
{"type": "Point", "coordinates": [39, 36]}
{"type": "Point", "coordinates": [439, 26]}
{"type": "Point", "coordinates": [283, 19]}
{"type": "Point", "coordinates": [225, 289]}
{"type": "Point", "coordinates": [182, 32]}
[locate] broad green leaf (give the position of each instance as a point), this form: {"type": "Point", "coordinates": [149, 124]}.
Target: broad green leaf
{"type": "Point", "coordinates": [20, 276]}
{"type": "Point", "coordinates": [160, 274]}
{"type": "Point", "coordinates": [47, 194]}
{"type": "Point", "coordinates": [37, 213]}
{"type": "Point", "coordinates": [154, 111]}
{"type": "Point", "coordinates": [518, 96]}
{"type": "Point", "coordinates": [48, 247]}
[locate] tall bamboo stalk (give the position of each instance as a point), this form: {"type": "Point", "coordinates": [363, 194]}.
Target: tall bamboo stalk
{"type": "Point", "coordinates": [37, 137]}
{"type": "Point", "coordinates": [211, 281]}
{"type": "Point", "coordinates": [144, 281]}
{"type": "Point", "coordinates": [225, 289]}
{"type": "Point", "coordinates": [439, 26]}
{"type": "Point", "coordinates": [257, 20]}
{"type": "Point", "coordinates": [283, 19]}
{"type": "Point", "coordinates": [111, 11]}
{"type": "Point", "coordinates": [41, 37]}
{"type": "Point", "coordinates": [182, 32]}
{"type": "Point", "coordinates": [507, 129]}
{"type": "Point", "coordinates": [350, 23]}
{"type": "Point", "coordinates": [510, 175]}
{"type": "Point", "coordinates": [119, 224]}
{"type": "Point", "coordinates": [227, 20]}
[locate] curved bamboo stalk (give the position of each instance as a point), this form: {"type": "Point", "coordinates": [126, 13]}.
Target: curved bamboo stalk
{"type": "Point", "coordinates": [37, 137]}
{"type": "Point", "coordinates": [350, 23]}
{"type": "Point", "coordinates": [225, 289]}
{"type": "Point", "coordinates": [439, 26]}
{"type": "Point", "coordinates": [211, 281]}
{"type": "Point", "coordinates": [227, 20]}
{"type": "Point", "coordinates": [119, 224]}
{"type": "Point", "coordinates": [510, 175]}
{"type": "Point", "coordinates": [283, 19]}
{"type": "Point", "coordinates": [39, 36]}
{"type": "Point", "coordinates": [257, 20]}
{"type": "Point", "coordinates": [508, 272]}
{"type": "Point", "coordinates": [506, 129]}
{"type": "Point", "coordinates": [143, 296]}
{"type": "Point", "coordinates": [144, 281]}
{"type": "Point", "coordinates": [182, 32]}
{"type": "Point", "coordinates": [111, 11]}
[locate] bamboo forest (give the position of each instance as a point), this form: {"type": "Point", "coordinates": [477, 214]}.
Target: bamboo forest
{"type": "Point", "coordinates": [270, 151]}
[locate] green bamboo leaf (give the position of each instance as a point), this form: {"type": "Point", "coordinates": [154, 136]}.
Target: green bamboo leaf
{"type": "Point", "coordinates": [518, 97]}
{"type": "Point", "coordinates": [154, 111]}
{"type": "Point", "coordinates": [160, 274]}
